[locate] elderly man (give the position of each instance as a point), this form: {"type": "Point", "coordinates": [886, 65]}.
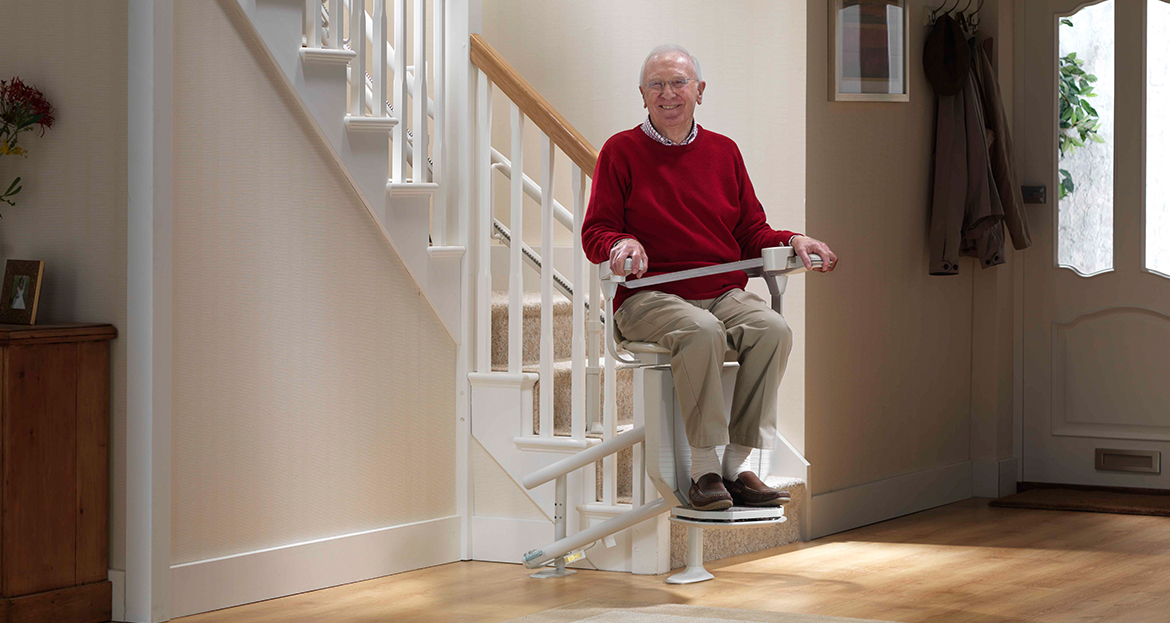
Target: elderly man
{"type": "Point", "coordinates": [672, 195]}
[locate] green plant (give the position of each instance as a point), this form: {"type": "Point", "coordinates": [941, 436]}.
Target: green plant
{"type": "Point", "coordinates": [1079, 121]}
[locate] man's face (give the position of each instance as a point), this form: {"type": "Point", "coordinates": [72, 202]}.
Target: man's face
{"type": "Point", "coordinates": [671, 110]}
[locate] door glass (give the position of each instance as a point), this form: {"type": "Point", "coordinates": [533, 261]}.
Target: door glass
{"type": "Point", "coordinates": [1158, 137]}
{"type": "Point", "coordinates": [1085, 193]}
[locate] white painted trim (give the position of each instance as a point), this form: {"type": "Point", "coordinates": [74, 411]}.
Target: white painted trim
{"type": "Point", "coordinates": [369, 124]}
{"type": "Point", "coordinates": [327, 56]}
{"type": "Point", "coordinates": [1009, 470]}
{"type": "Point", "coordinates": [845, 509]}
{"type": "Point", "coordinates": [118, 589]}
{"type": "Point", "coordinates": [289, 569]}
{"type": "Point", "coordinates": [150, 64]}
{"type": "Point", "coordinates": [499, 539]}
{"type": "Point", "coordinates": [985, 478]}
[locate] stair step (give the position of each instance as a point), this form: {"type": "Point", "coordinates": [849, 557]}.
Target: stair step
{"type": "Point", "coordinates": [562, 328]}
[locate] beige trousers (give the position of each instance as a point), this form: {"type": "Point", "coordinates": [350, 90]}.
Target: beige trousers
{"type": "Point", "coordinates": [698, 333]}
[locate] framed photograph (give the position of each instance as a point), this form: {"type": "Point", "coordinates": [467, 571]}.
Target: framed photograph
{"type": "Point", "coordinates": [869, 50]}
{"type": "Point", "coordinates": [22, 291]}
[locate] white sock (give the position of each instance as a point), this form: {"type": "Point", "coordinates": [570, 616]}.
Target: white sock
{"type": "Point", "coordinates": [703, 461]}
{"type": "Point", "coordinates": [736, 460]}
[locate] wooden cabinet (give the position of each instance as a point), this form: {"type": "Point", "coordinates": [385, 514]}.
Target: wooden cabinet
{"type": "Point", "coordinates": [54, 434]}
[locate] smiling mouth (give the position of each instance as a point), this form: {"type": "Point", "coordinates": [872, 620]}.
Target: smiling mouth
{"type": "Point", "coordinates": [670, 107]}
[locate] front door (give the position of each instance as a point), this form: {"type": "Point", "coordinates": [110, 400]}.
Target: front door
{"type": "Point", "coordinates": [1096, 349]}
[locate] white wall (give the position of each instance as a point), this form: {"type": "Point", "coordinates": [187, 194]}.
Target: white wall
{"type": "Point", "coordinates": [889, 356]}
{"type": "Point", "coordinates": [72, 210]}
{"type": "Point", "coordinates": [312, 392]}
{"type": "Point", "coordinates": [585, 59]}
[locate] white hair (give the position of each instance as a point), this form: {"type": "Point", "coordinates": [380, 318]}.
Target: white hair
{"type": "Point", "coordinates": [670, 48]}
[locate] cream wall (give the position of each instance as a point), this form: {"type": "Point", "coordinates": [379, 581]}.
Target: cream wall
{"type": "Point", "coordinates": [72, 210]}
{"type": "Point", "coordinates": [585, 58]}
{"type": "Point", "coordinates": [889, 355]}
{"type": "Point", "coordinates": [313, 390]}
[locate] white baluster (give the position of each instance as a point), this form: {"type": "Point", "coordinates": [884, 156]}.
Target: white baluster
{"type": "Point", "coordinates": [336, 24]}
{"type": "Point", "coordinates": [419, 171]}
{"type": "Point", "coordinates": [483, 168]}
{"type": "Point", "coordinates": [547, 162]}
{"type": "Point", "coordinates": [439, 46]}
{"type": "Point", "coordinates": [593, 346]}
{"type": "Point", "coordinates": [357, 67]}
{"type": "Point", "coordinates": [313, 17]}
{"type": "Point", "coordinates": [398, 169]}
{"type": "Point", "coordinates": [609, 426]}
{"type": "Point", "coordinates": [578, 378]}
{"type": "Point", "coordinates": [516, 260]}
{"type": "Point", "coordinates": [378, 60]}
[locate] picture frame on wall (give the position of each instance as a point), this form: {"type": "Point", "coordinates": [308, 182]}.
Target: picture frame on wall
{"type": "Point", "coordinates": [21, 292]}
{"type": "Point", "coordinates": [869, 50]}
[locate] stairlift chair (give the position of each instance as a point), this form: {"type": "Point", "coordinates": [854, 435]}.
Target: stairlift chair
{"type": "Point", "coordinates": [668, 459]}
{"type": "Point", "coordinates": [663, 435]}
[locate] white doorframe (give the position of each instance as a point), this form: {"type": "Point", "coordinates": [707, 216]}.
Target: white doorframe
{"type": "Point", "coordinates": [148, 310]}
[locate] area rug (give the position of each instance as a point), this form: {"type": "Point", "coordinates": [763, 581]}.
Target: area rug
{"type": "Point", "coordinates": [1060, 499]}
{"type": "Point", "coordinates": [598, 611]}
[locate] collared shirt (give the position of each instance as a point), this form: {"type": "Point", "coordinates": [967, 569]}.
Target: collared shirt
{"type": "Point", "coordinates": [650, 131]}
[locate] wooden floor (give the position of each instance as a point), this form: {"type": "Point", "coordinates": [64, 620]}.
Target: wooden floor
{"type": "Point", "coordinates": [961, 562]}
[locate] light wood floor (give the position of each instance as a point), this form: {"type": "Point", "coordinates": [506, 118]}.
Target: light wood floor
{"type": "Point", "coordinates": [965, 562]}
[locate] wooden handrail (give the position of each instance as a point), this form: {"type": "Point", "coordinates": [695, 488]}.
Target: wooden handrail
{"type": "Point", "coordinates": [533, 105]}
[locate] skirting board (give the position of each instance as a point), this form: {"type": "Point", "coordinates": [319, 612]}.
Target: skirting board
{"type": "Point", "coordinates": [499, 539]}
{"type": "Point", "coordinates": [255, 576]}
{"type": "Point", "coordinates": [845, 509]}
{"type": "Point", "coordinates": [118, 585]}
{"type": "Point", "coordinates": [993, 478]}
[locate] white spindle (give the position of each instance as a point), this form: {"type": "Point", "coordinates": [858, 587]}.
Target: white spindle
{"type": "Point", "coordinates": [578, 353]}
{"type": "Point", "coordinates": [336, 24]}
{"type": "Point", "coordinates": [439, 44]}
{"type": "Point", "coordinates": [398, 170]}
{"type": "Point", "coordinates": [547, 162]}
{"type": "Point", "coordinates": [483, 168]}
{"type": "Point", "coordinates": [357, 67]}
{"type": "Point", "coordinates": [420, 92]}
{"type": "Point", "coordinates": [378, 60]}
{"type": "Point", "coordinates": [313, 17]}
{"type": "Point", "coordinates": [593, 344]}
{"type": "Point", "coordinates": [516, 259]}
{"type": "Point", "coordinates": [609, 464]}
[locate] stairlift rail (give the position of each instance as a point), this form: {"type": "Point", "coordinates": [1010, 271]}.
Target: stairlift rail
{"type": "Point", "coordinates": [584, 457]}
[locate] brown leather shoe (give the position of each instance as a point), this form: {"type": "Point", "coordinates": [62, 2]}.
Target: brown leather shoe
{"type": "Point", "coordinates": [709, 494]}
{"type": "Point", "coordinates": [749, 490]}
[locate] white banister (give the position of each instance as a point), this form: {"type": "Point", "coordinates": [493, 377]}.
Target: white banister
{"type": "Point", "coordinates": [439, 17]}
{"type": "Point", "coordinates": [358, 69]}
{"type": "Point", "coordinates": [419, 124]}
{"type": "Point", "coordinates": [515, 258]}
{"type": "Point", "coordinates": [398, 167]}
{"type": "Point", "coordinates": [336, 25]}
{"type": "Point", "coordinates": [313, 13]}
{"type": "Point", "coordinates": [378, 60]}
{"type": "Point", "coordinates": [547, 380]}
{"type": "Point", "coordinates": [483, 286]}
{"type": "Point", "coordinates": [578, 352]}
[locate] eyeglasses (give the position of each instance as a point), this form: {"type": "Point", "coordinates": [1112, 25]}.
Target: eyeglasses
{"type": "Point", "coordinates": [675, 84]}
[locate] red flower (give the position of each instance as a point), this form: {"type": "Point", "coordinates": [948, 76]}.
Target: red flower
{"type": "Point", "coordinates": [21, 106]}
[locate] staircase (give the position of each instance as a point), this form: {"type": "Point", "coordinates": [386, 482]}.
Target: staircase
{"type": "Point", "coordinates": [532, 382]}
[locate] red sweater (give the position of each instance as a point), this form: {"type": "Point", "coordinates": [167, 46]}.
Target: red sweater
{"type": "Point", "coordinates": [689, 205]}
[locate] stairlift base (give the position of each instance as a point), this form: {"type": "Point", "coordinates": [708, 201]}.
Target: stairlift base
{"type": "Point", "coordinates": [552, 572]}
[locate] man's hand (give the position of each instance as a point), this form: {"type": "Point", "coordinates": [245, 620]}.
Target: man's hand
{"type": "Point", "coordinates": [632, 249]}
{"type": "Point", "coordinates": [803, 246]}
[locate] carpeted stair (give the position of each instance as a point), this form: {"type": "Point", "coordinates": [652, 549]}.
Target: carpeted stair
{"type": "Point", "coordinates": [717, 543]}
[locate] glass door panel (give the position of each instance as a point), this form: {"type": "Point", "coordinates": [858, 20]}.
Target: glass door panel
{"type": "Point", "coordinates": [1158, 137]}
{"type": "Point", "coordinates": [1086, 100]}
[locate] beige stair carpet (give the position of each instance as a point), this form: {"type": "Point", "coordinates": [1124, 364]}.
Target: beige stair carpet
{"type": "Point", "coordinates": [598, 611]}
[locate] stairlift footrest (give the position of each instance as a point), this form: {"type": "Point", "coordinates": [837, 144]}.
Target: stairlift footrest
{"type": "Point", "coordinates": [736, 516]}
